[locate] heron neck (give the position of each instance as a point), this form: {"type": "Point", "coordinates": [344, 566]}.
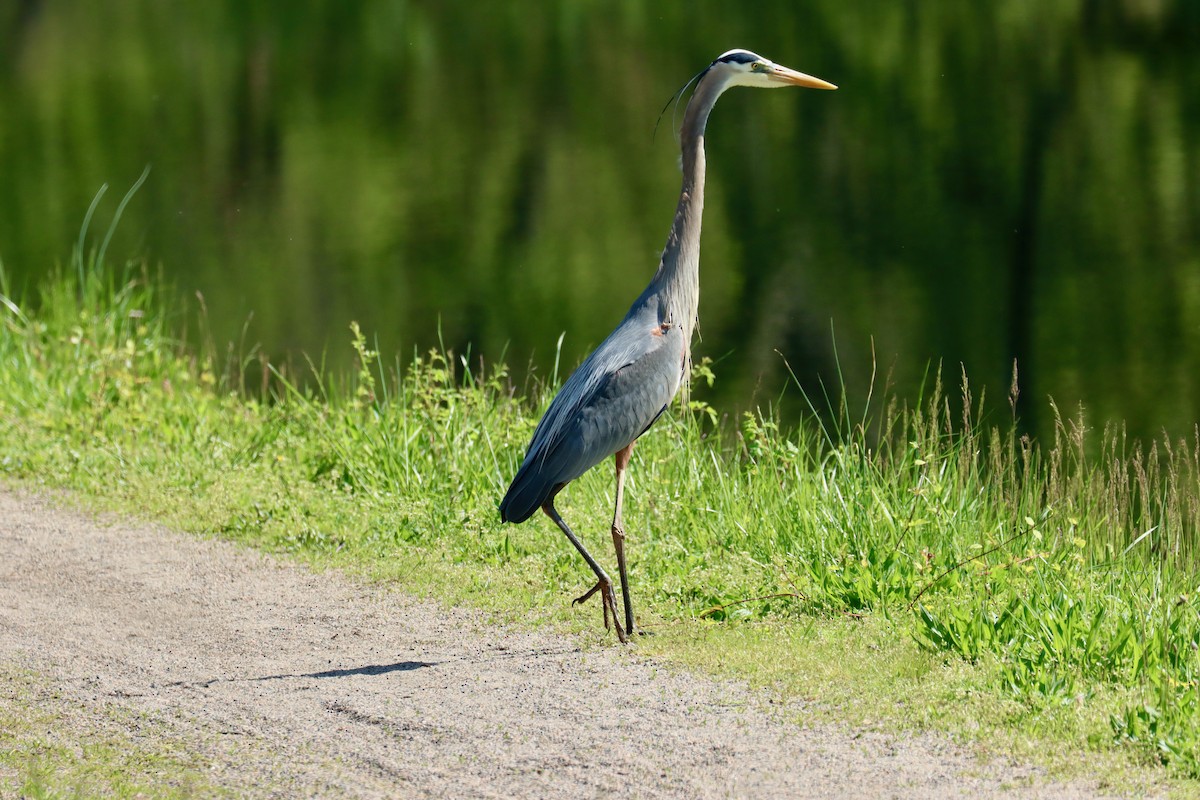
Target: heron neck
{"type": "Point", "coordinates": [677, 281]}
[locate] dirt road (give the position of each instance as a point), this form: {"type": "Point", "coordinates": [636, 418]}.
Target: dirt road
{"type": "Point", "coordinates": [285, 683]}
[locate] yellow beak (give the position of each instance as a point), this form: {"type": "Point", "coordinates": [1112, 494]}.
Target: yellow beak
{"type": "Point", "coordinates": [781, 74]}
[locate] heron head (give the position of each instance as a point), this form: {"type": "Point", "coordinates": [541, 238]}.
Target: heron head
{"type": "Point", "coordinates": [743, 68]}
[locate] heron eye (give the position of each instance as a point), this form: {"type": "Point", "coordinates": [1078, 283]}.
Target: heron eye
{"type": "Point", "coordinates": [758, 66]}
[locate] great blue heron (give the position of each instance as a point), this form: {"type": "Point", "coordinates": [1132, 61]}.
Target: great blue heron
{"type": "Point", "coordinates": [618, 392]}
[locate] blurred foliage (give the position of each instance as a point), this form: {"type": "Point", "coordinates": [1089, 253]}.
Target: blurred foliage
{"type": "Point", "coordinates": [1012, 179]}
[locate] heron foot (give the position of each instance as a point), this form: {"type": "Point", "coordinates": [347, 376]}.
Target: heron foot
{"type": "Point", "coordinates": [610, 606]}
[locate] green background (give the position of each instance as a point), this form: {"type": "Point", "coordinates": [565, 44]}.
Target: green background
{"type": "Point", "coordinates": [992, 180]}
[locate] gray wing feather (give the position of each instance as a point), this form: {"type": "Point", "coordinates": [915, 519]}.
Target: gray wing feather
{"type": "Point", "coordinates": [614, 396]}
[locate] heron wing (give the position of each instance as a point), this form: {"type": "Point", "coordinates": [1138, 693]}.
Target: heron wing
{"type": "Point", "coordinates": [620, 408]}
{"type": "Point", "coordinates": [615, 395]}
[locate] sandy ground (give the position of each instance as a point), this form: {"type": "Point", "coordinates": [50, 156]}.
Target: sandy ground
{"type": "Point", "coordinates": [284, 683]}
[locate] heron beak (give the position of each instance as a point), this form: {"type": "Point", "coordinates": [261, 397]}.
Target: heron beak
{"type": "Point", "coordinates": [781, 74]}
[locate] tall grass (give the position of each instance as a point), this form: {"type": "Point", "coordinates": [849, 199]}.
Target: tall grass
{"type": "Point", "coordinates": [1066, 565]}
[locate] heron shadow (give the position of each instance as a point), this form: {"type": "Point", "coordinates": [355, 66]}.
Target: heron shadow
{"type": "Point", "coordinates": [369, 669]}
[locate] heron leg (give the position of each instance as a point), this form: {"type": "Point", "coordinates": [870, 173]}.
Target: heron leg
{"type": "Point", "coordinates": [603, 582]}
{"type": "Point", "coordinates": [618, 533]}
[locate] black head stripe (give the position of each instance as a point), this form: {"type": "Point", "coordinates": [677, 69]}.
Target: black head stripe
{"type": "Point", "coordinates": [738, 57]}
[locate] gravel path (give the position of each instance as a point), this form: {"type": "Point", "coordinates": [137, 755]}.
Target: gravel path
{"type": "Point", "coordinates": [285, 683]}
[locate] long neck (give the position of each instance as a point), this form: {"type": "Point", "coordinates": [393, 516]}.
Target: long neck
{"type": "Point", "coordinates": [677, 280]}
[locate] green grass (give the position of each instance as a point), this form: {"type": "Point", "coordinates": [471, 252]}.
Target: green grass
{"type": "Point", "coordinates": [909, 567]}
